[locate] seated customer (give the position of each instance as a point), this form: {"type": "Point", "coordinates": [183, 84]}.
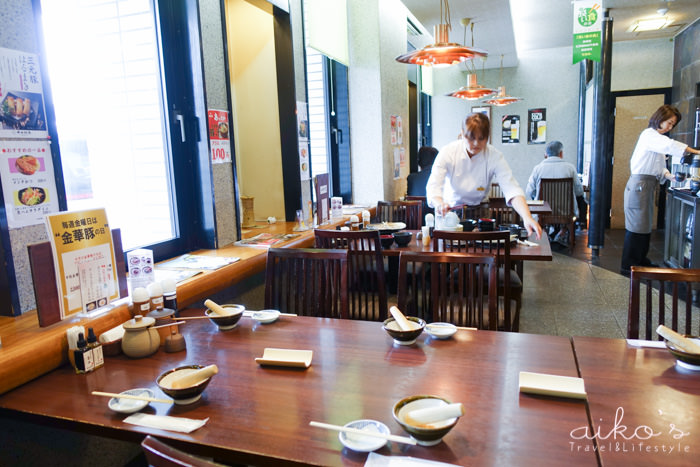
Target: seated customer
{"type": "Point", "coordinates": [417, 180]}
{"type": "Point", "coordinates": [464, 170]}
{"type": "Point", "coordinates": [554, 166]}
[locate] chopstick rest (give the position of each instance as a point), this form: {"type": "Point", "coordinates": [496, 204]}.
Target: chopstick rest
{"type": "Point", "coordinates": [166, 422]}
{"type": "Point", "coordinates": [552, 385]}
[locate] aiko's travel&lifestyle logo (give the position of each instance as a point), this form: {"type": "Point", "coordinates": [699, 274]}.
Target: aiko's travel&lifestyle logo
{"type": "Point", "coordinates": [665, 440]}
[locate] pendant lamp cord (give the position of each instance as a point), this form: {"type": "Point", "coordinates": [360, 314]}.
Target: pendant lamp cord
{"type": "Point", "coordinates": [445, 14]}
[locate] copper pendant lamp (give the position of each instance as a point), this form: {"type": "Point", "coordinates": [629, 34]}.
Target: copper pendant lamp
{"type": "Point", "coordinates": [472, 91]}
{"type": "Point", "coordinates": [442, 52]}
{"type": "Point", "coordinates": [502, 99]}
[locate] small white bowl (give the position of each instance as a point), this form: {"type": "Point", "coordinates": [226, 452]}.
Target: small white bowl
{"type": "Point", "coordinates": [441, 330]}
{"type": "Point", "coordinates": [130, 405]}
{"type": "Point", "coordinates": [360, 443]}
{"type": "Point", "coordinates": [266, 316]}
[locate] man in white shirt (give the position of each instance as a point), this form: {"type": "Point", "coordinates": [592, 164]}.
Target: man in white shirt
{"type": "Point", "coordinates": [554, 166]}
{"type": "Point", "coordinates": [464, 170]}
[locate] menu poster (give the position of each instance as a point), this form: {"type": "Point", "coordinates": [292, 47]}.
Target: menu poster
{"type": "Point", "coordinates": [510, 129]}
{"type": "Point", "coordinates": [394, 131]}
{"type": "Point", "coordinates": [83, 254]}
{"type": "Point", "coordinates": [537, 126]}
{"type": "Point", "coordinates": [219, 139]}
{"type": "Point", "coordinates": [28, 183]}
{"type": "Point", "coordinates": [397, 163]}
{"type": "Point", "coordinates": [322, 198]}
{"type": "Point", "coordinates": [22, 113]}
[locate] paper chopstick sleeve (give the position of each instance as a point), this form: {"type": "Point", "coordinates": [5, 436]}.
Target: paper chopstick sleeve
{"type": "Point", "coordinates": [552, 385]}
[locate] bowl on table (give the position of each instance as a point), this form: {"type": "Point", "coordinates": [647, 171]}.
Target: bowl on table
{"type": "Point", "coordinates": [402, 238]}
{"type": "Point", "coordinates": [687, 360]}
{"type": "Point", "coordinates": [486, 225]}
{"type": "Point", "coordinates": [680, 176]}
{"type": "Point", "coordinates": [400, 336]}
{"type": "Point", "coordinates": [229, 321]}
{"type": "Point", "coordinates": [387, 240]}
{"type": "Point", "coordinates": [468, 225]}
{"type": "Point", "coordinates": [386, 228]}
{"type": "Point", "coordinates": [441, 330]}
{"type": "Point", "coordinates": [360, 443]}
{"type": "Point", "coordinates": [425, 434]}
{"type": "Point", "coordinates": [694, 185]}
{"type": "Point", "coordinates": [186, 395]}
{"type": "Point", "coordinates": [123, 405]}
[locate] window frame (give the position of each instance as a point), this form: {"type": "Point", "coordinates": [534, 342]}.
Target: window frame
{"type": "Point", "coordinates": [189, 171]}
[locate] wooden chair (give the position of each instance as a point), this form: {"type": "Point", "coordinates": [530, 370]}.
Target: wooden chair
{"type": "Point", "coordinates": [408, 212]}
{"type": "Point", "coordinates": [449, 287]}
{"type": "Point", "coordinates": [366, 279]}
{"type": "Point", "coordinates": [505, 215]}
{"type": "Point", "coordinates": [510, 285]}
{"type": "Point", "coordinates": [306, 281]}
{"type": "Point", "coordinates": [472, 212]}
{"type": "Point", "coordinates": [424, 202]}
{"type": "Point", "coordinates": [495, 191]}
{"type": "Point", "coordinates": [559, 193]}
{"type": "Point", "coordinates": [159, 454]}
{"type": "Point", "coordinates": [656, 293]}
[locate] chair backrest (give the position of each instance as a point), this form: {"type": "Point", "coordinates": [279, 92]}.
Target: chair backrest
{"type": "Point", "coordinates": [559, 193]}
{"type": "Point", "coordinates": [307, 281]}
{"type": "Point", "coordinates": [495, 243]}
{"type": "Point", "coordinates": [366, 279]}
{"type": "Point", "coordinates": [408, 212]}
{"type": "Point", "coordinates": [505, 215]}
{"type": "Point", "coordinates": [495, 191]}
{"type": "Point", "coordinates": [424, 202]}
{"type": "Point", "coordinates": [471, 212]}
{"type": "Point", "coordinates": [159, 454]}
{"type": "Point", "coordinates": [662, 296]}
{"type": "Point", "coordinates": [449, 287]}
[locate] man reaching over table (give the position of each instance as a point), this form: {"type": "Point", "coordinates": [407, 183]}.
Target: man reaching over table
{"type": "Point", "coordinates": [464, 170]}
{"type": "Point", "coordinates": [554, 166]}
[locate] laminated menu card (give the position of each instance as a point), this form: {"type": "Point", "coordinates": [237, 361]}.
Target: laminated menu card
{"type": "Point", "coordinates": [84, 260]}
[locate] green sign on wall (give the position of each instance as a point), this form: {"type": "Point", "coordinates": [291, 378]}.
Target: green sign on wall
{"type": "Point", "coordinates": [587, 30]}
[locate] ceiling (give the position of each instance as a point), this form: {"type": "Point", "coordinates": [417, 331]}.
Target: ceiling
{"type": "Point", "coordinates": [509, 27]}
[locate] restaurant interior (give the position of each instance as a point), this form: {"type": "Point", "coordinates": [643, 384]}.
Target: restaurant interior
{"type": "Point", "coordinates": [249, 111]}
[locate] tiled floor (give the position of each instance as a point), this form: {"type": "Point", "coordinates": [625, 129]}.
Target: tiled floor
{"type": "Point", "coordinates": [579, 294]}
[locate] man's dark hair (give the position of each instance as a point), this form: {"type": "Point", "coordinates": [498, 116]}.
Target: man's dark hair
{"type": "Point", "coordinates": [426, 156]}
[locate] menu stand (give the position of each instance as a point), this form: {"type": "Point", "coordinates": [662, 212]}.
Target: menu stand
{"type": "Point", "coordinates": [44, 278]}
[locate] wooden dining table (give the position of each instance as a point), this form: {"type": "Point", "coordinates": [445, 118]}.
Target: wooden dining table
{"type": "Point", "coordinates": [260, 415]}
{"type": "Point", "coordinates": [645, 410]}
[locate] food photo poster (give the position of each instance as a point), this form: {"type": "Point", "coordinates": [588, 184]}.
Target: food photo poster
{"type": "Point", "coordinates": [22, 113]}
{"type": "Point", "coordinates": [28, 183]}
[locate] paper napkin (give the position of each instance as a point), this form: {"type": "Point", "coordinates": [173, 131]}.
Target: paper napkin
{"type": "Point", "coordinates": [552, 385]}
{"type": "Point", "coordinates": [643, 343]}
{"type": "Point", "coordinates": [165, 422]}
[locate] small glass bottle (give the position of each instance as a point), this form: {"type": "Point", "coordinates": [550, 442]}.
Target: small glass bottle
{"type": "Point", "coordinates": [96, 348]}
{"type": "Point", "coordinates": [83, 356]}
{"type": "Point", "coordinates": [142, 301]}
{"type": "Point", "coordinates": [155, 291]}
{"type": "Point", "coordinates": [170, 295]}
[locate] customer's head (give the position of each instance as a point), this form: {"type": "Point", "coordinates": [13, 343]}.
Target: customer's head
{"type": "Point", "coordinates": [666, 117]}
{"type": "Point", "coordinates": [553, 149]}
{"type": "Point", "coordinates": [426, 156]}
{"type": "Point", "coordinates": [477, 129]}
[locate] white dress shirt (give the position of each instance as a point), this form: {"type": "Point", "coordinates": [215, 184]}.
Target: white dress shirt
{"type": "Point", "coordinates": [460, 179]}
{"type": "Point", "coordinates": [649, 157]}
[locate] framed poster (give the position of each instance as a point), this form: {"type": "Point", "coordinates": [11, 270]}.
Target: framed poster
{"type": "Point", "coordinates": [510, 129]}
{"type": "Point", "coordinates": [21, 96]}
{"type": "Point", "coordinates": [537, 126]}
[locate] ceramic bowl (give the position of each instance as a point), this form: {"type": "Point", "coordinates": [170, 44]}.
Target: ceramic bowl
{"type": "Point", "coordinates": [441, 330]}
{"type": "Point", "coordinates": [694, 185]}
{"type": "Point", "coordinates": [266, 316]}
{"type": "Point", "coordinates": [360, 443]}
{"type": "Point", "coordinates": [229, 321]}
{"type": "Point", "coordinates": [468, 225]}
{"type": "Point", "coordinates": [685, 359]}
{"type": "Point", "coordinates": [425, 435]}
{"type": "Point", "coordinates": [182, 396]}
{"type": "Point", "coordinates": [130, 405]}
{"type": "Point", "coordinates": [402, 238]}
{"type": "Point", "coordinates": [386, 240]}
{"type": "Point", "coordinates": [680, 176]}
{"type": "Point", "coordinates": [404, 337]}
{"type": "Point", "coordinates": [486, 225]}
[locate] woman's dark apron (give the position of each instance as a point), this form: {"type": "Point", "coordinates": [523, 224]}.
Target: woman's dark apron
{"type": "Point", "coordinates": [639, 203]}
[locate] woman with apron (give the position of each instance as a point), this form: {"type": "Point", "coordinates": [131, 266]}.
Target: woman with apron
{"type": "Point", "coordinates": [648, 169]}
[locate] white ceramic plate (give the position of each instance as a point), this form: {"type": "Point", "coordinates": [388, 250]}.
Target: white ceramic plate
{"type": "Point", "coordinates": [441, 330]}
{"type": "Point", "coordinates": [130, 405]}
{"type": "Point", "coordinates": [387, 226]}
{"type": "Point", "coordinates": [360, 443]}
{"type": "Point", "coordinates": [286, 357]}
{"type": "Point", "coordinates": [266, 316]}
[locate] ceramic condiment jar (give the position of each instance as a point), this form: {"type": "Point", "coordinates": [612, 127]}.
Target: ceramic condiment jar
{"type": "Point", "coordinates": [140, 339]}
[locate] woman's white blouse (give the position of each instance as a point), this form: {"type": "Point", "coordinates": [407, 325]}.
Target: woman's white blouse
{"type": "Point", "coordinates": [649, 156]}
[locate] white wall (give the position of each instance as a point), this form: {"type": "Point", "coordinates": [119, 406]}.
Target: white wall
{"type": "Point", "coordinates": [546, 78]}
